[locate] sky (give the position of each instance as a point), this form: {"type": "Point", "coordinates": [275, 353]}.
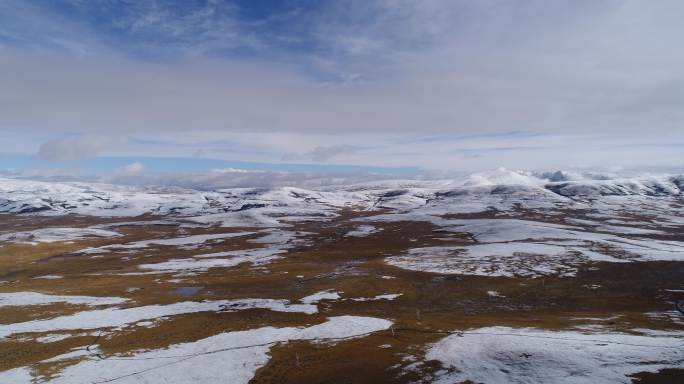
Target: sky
{"type": "Point", "coordinates": [123, 88]}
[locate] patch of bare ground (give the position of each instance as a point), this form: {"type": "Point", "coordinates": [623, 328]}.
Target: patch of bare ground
{"type": "Point", "coordinates": [371, 359]}
{"type": "Point", "coordinates": [664, 376]}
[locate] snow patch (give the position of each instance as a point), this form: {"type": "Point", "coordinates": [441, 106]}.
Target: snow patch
{"type": "Point", "coordinates": [231, 357]}
{"type": "Point", "coordinates": [362, 231]}
{"type": "Point", "coordinates": [117, 317]}
{"type": "Point", "coordinates": [318, 296]}
{"type": "Point", "coordinates": [508, 355]}
{"type": "Point", "coordinates": [35, 298]}
{"type": "Point", "coordinates": [389, 296]}
{"type": "Point", "coordinates": [52, 235]}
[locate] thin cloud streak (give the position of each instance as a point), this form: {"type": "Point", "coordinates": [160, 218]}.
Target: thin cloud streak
{"type": "Point", "coordinates": [77, 148]}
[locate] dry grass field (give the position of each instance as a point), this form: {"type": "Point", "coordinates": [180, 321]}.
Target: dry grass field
{"type": "Point", "coordinates": [602, 296]}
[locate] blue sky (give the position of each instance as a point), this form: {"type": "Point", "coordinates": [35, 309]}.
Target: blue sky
{"type": "Point", "coordinates": [112, 87]}
{"type": "Point", "coordinates": [106, 164]}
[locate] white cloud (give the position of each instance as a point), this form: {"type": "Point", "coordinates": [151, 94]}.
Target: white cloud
{"type": "Point", "coordinates": [104, 96]}
{"type": "Point", "coordinates": [235, 178]}
{"type": "Point", "coordinates": [599, 81]}
{"type": "Point", "coordinates": [541, 66]}
{"type": "Point", "coordinates": [324, 153]}
{"type": "Point", "coordinates": [461, 152]}
{"type": "Point", "coordinates": [76, 148]}
{"type": "Point", "coordinates": [130, 170]}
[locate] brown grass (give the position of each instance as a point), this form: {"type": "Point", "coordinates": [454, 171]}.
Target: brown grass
{"type": "Point", "coordinates": [354, 266]}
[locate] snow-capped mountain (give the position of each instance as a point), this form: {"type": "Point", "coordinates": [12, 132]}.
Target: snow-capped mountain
{"type": "Point", "coordinates": [500, 190]}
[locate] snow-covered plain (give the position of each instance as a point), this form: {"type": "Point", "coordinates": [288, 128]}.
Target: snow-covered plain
{"type": "Point", "coordinates": [499, 223]}
{"type": "Point", "coordinates": [231, 357]}
{"type": "Point", "coordinates": [510, 355]}
{"type": "Point", "coordinates": [531, 233]}
{"type": "Point", "coordinates": [51, 235]}
{"type": "Point", "coordinates": [35, 298]}
{"type": "Point", "coordinates": [273, 246]}
{"type": "Point", "coordinates": [117, 317]}
{"type": "Point", "coordinates": [511, 247]}
{"type": "Point", "coordinates": [185, 242]}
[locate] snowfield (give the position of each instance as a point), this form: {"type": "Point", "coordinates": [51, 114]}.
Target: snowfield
{"type": "Point", "coordinates": [51, 235]}
{"type": "Point", "coordinates": [230, 357]}
{"type": "Point", "coordinates": [274, 245]}
{"type": "Point", "coordinates": [613, 215]}
{"type": "Point", "coordinates": [35, 298]}
{"type": "Point", "coordinates": [508, 247]}
{"type": "Point", "coordinates": [509, 355]}
{"type": "Point", "coordinates": [117, 317]}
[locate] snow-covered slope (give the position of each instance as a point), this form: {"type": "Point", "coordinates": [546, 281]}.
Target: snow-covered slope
{"type": "Point", "coordinates": [500, 190]}
{"type": "Point", "coordinates": [244, 205]}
